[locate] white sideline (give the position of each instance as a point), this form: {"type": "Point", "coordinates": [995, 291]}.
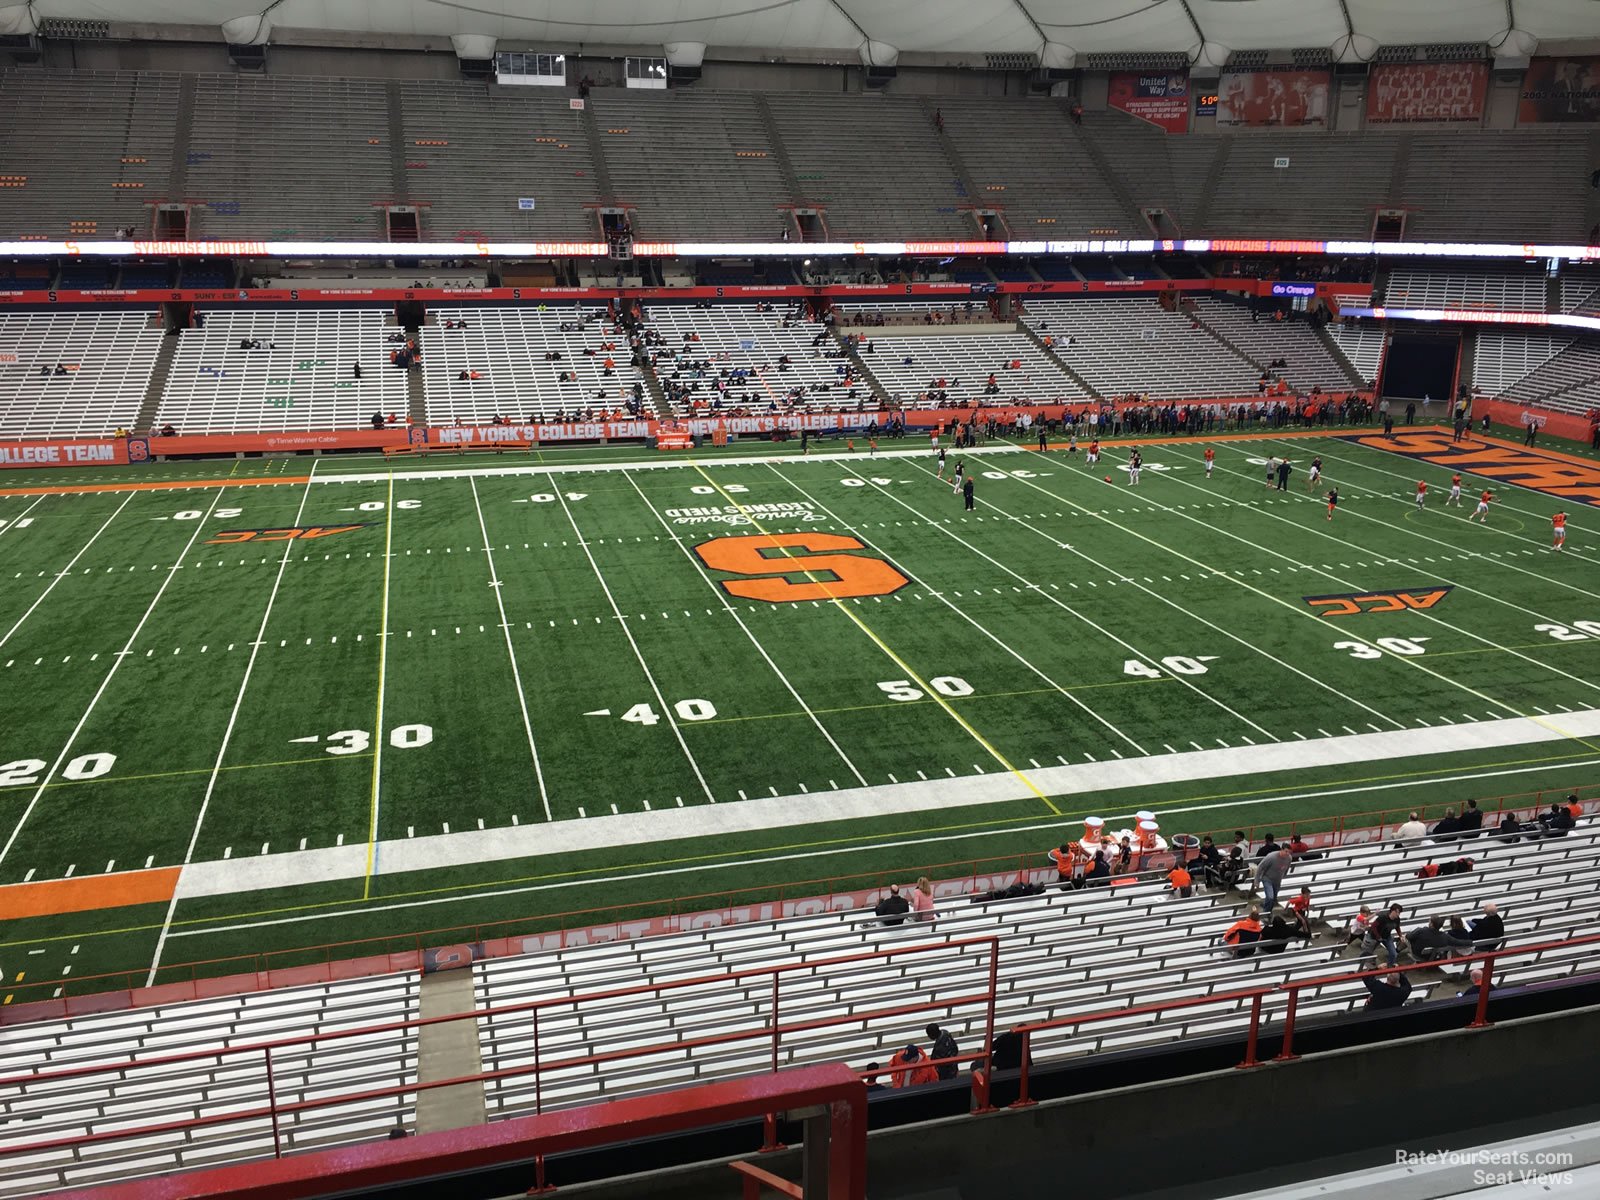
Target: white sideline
{"type": "Point", "coordinates": [711, 821]}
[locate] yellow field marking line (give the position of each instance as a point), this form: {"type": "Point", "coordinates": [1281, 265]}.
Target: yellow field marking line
{"type": "Point", "coordinates": [287, 762]}
{"type": "Point", "coordinates": [976, 828]}
{"type": "Point", "coordinates": [377, 720]}
{"type": "Point", "coordinates": [928, 689]}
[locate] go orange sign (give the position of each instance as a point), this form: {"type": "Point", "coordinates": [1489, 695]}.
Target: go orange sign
{"type": "Point", "coordinates": [768, 567]}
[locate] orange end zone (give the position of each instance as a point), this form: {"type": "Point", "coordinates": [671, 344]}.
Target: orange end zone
{"type": "Point", "coordinates": [167, 485]}
{"type": "Point", "coordinates": [55, 896]}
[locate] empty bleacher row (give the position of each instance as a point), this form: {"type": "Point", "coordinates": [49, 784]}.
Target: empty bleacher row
{"type": "Point", "coordinates": [1060, 955]}
{"type": "Point", "coordinates": [107, 359]}
{"type": "Point", "coordinates": [310, 157]}
{"type": "Point", "coordinates": [1295, 342]}
{"type": "Point", "coordinates": [302, 376]}
{"type": "Point", "coordinates": [509, 349]}
{"type": "Point", "coordinates": [1500, 360]}
{"type": "Point", "coordinates": [216, 1084]}
{"type": "Point", "coordinates": [1361, 342]}
{"type": "Point", "coordinates": [1568, 380]}
{"type": "Point", "coordinates": [1490, 290]}
{"type": "Point", "coordinates": [1125, 346]}
{"type": "Point", "coordinates": [960, 366]}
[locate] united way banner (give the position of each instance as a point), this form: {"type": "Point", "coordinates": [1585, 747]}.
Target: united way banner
{"type": "Point", "coordinates": [1285, 98]}
{"type": "Point", "coordinates": [1159, 97]}
{"type": "Point", "coordinates": [1401, 92]}
{"type": "Point", "coordinates": [1560, 89]}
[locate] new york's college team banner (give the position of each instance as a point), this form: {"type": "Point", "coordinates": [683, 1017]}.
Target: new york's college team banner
{"type": "Point", "coordinates": [1273, 98]}
{"type": "Point", "coordinates": [82, 452]}
{"type": "Point", "coordinates": [1398, 92]}
{"type": "Point", "coordinates": [1561, 89]}
{"type": "Point", "coordinates": [1159, 97]}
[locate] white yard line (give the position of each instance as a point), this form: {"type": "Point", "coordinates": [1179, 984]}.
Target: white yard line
{"type": "Point", "coordinates": [1067, 608]}
{"type": "Point", "coordinates": [708, 823]}
{"type": "Point", "coordinates": [11, 522]}
{"type": "Point", "coordinates": [1456, 547]}
{"type": "Point", "coordinates": [117, 661]}
{"type": "Point", "coordinates": [378, 738]}
{"type": "Point", "coordinates": [233, 717]}
{"type": "Point", "coordinates": [1327, 574]}
{"type": "Point", "coordinates": [66, 570]}
{"type": "Point", "coordinates": [966, 616]}
{"type": "Point", "coordinates": [728, 607]}
{"type": "Point", "coordinates": [665, 708]}
{"type": "Point", "coordinates": [1305, 612]}
{"type": "Point", "coordinates": [516, 672]}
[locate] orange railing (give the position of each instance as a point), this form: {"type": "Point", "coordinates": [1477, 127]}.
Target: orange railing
{"type": "Point", "coordinates": [1290, 988]}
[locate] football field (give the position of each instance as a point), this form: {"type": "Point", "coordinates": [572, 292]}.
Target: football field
{"type": "Point", "coordinates": [288, 707]}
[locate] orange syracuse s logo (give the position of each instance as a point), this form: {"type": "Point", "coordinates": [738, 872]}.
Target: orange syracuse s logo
{"type": "Point", "coordinates": [766, 566]}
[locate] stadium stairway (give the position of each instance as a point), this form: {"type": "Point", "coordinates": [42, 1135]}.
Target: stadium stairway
{"type": "Point", "coordinates": [1028, 331]}
{"type": "Point", "coordinates": [1198, 319]}
{"type": "Point", "coordinates": [182, 124]}
{"type": "Point", "coordinates": [1338, 355]}
{"type": "Point", "coordinates": [780, 152]}
{"type": "Point", "coordinates": [658, 395]}
{"type": "Point", "coordinates": [399, 182]}
{"type": "Point", "coordinates": [854, 355]}
{"type": "Point", "coordinates": [448, 1050]}
{"type": "Point", "coordinates": [145, 419]}
{"type": "Point", "coordinates": [602, 170]}
{"type": "Point", "coordinates": [1208, 190]}
{"type": "Point", "coordinates": [416, 391]}
{"type": "Point", "coordinates": [1399, 165]}
{"type": "Point", "coordinates": [1138, 226]}
{"type": "Point", "coordinates": [947, 144]}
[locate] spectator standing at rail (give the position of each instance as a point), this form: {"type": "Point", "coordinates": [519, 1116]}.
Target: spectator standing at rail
{"type": "Point", "coordinates": [942, 1045]}
{"type": "Point", "coordinates": [1270, 874]}
{"type": "Point", "coordinates": [922, 901]}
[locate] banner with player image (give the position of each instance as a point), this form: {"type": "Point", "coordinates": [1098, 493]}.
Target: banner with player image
{"type": "Point", "coordinates": [1398, 92]}
{"type": "Point", "coordinates": [1560, 89]}
{"type": "Point", "coordinates": [1286, 98]}
{"type": "Point", "coordinates": [1159, 97]}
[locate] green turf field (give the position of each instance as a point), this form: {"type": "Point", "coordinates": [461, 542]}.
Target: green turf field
{"type": "Point", "coordinates": [487, 689]}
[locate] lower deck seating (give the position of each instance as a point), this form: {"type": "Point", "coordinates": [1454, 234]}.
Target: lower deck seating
{"type": "Point", "coordinates": [1310, 364]}
{"type": "Point", "coordinates": [960, 366]}
{"type": "Point", "coordinates": [302, 376]}
{"type": "Point", "coordinates": [510, 348]}
{"type": "Point", "coordinates": [107, 359]}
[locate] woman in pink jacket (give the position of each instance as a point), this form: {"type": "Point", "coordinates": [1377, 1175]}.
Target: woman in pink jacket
{"type": "Point", "coordinates": [922, 900]}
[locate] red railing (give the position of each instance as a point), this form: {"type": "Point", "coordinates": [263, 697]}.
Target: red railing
{"type": "Point", "coordinates": [1291, 989]}
{"type": "Point", "coordinates": [405, 952]}
{"type": "Point", "coordinates": [273, 1111]}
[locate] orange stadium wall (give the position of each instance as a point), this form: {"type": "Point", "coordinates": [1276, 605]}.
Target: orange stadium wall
{"type": "Point", "coordinates": [1557, 424]}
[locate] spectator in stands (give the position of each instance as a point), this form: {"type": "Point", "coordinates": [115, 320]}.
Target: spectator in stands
{"type": "Point", "coordinates": [909, 1068]}
{"type": "Point", "coordinates": [1387, 991]}
{"type": "Point", "coordinates": [1410, 832]}
{"type": "Point", "coordinates": [1099, 873]}
{"type": "Point", "coordinates": [1122, 860]}
{"type": "Point", "coordinates": [377, 420]}
{"type": "Point", "coordinates": [872, 1080]}
{"type": "Point", "coordinates": [1076, 113]}
{"type": "Point", "coordinates": [1429, 942]}
{"type": "Point", "coordinates": [1269, 844]}
{"type": "Point", "coordinates": [1474, 983]}
{"type": "Point", "coordinates": [892, 908]}
{"type": "Point", "coordinates": [1299, 909]}
{"type": "Point", "coordinates": [1180, 881]}
{"type": "Point", "coordinates": [1356, 930]}
{"type": "Point", "coordinates": [1068, 864]}
{"type": "Point", "coordinates": [169, 430]}
{"type": "Point", "coordinates": [1300, 848]}
{"type": "Point", "coordinates": [1488, 931]}
{"type": "Point", "coordinates": [1558, 821]}
{"type": "Point", "coordinates": [1244, 933]}
{"type": "Point", "coordinates": [119, 432]}
{"type": "Point", "coordinates": [942, 1045]}
{"type": "Point", "coordinates": [1449, 825]}
{"type": "Point", "coordinates": [1270, 874]}
{"type": "Point", "coordinates": [1384, 931]}
{"type": "Point", "coordinates": [1008, 1051]}
{"type": "Point", "coordinates": [1471, 820]}
{"type": "Point", "coordinates": [1277, 932]}
{"type": "Point", "coordinates": [60, 370]}
{"type": "Point", "coordinates": [922, 900]}
{"type": "Point", "coordinates": [1234, 870]}
{"type": "Point", "coordinates": [1207, 861]}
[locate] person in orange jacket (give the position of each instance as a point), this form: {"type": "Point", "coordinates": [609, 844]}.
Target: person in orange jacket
{"type": "Point", "coordinates": [909, 1068]}
{"type": "Point", "coordinates": [1244, 933]}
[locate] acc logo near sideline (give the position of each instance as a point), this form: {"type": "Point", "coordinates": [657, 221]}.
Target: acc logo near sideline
{"type": "Point", "coordinates": [280, 535]}
{"type": "Point", "coordinates": [765, 563]}
{"type": "Point", "coordinates": [1351, 603]}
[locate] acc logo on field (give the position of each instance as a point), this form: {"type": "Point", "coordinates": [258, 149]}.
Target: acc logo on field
{"type": "Point", "coordinates": [766, 576]}
{"type": "Point", "coordinates": [280, 535]}
{"type": "Point", "coordinates": [1351, 603]}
